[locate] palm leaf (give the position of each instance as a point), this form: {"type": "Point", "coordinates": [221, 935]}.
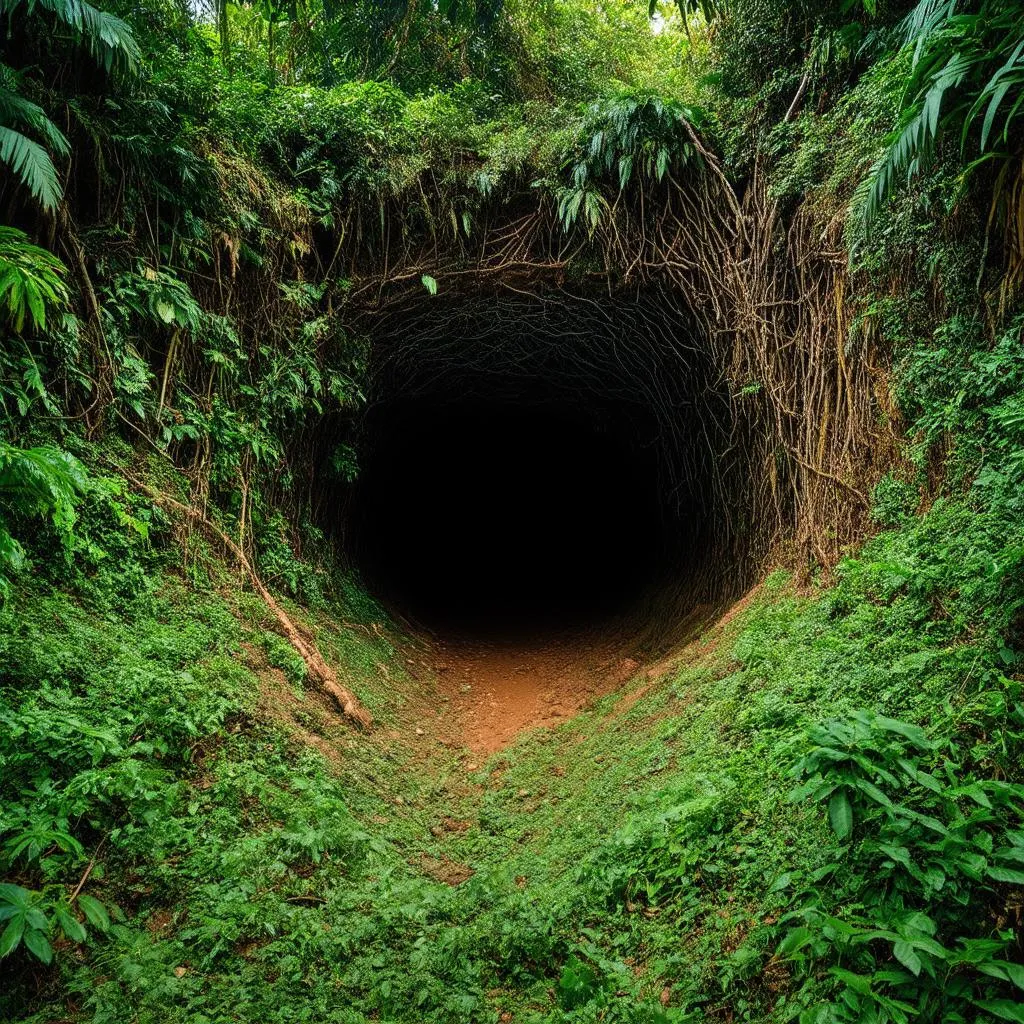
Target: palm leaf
{"type": "Point", "coordinates": [15, 109]}
{"type": "Point", "coordinates": [107, 37]}
{"type": "Point", "coordinates": [964, 63]}
{"type": "Point", "coordinates": [32, 165]}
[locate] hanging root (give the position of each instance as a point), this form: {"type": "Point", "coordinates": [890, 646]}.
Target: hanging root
{"type": "Point", "coordinates": [319, 671]}
{"type": "Point", "coordinates": [764, 288]}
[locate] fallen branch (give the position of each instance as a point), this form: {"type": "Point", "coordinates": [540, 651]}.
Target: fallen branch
{"type": "Point", "coordinates": [320, 672]}
{"type": "Point", "coordinates": [88, 872]}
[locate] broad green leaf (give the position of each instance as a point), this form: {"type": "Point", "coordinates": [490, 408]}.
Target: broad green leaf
{"type": "Point", "coordinates": [95, 912]}
{"type": "Point", "coordinates": [900, 854]}
{"type": "Point", "coordinates": [840, 814]}
{"type": "Point", "coordinates": [795, 940]}
{"type": "Point", "coordinates": [1005, 875]}
{"type": "Point", "coordinates": [1004, 1009]}
{"type": "Point", "coordinates": [920, 922]}
{"type": "Point", "coordinates": [914, 733]}
{"type": "Point", "coordinates": [38, 945]}
{"type": "Point", "coordinates": [874, 792]}
{"type": "Point", "coordinates": [841, 927]}
{"type": "Point", "coordinates": [14, 894]}
{"type": "Point", "coordinates": [12, 936]}
{"type": "Point", "coordinates": [35, 918]}
{"type": "Point", "coordinates": [976, 793]}
{"type": "Point", "coordinates": [1003, 970]}
{"type": "Point", "coordinates": [70, 925]}
{"type": "Point", "coordinates": [906, 954]}
{"type": "Point", "coordinates": [858, 982]}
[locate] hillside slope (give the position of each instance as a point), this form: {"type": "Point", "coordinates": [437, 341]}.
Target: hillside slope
{"type": "Point", "coordinates": [643, 858]}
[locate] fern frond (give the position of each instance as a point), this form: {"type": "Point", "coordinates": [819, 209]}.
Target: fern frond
{"type": "Point", "coordinates": [15, 109]}
{"type": "Point", "coordinates": [32, 165]}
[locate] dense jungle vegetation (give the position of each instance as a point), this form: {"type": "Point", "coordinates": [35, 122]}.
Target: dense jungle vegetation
{"type": "Point", "coordinates": [812, 810]}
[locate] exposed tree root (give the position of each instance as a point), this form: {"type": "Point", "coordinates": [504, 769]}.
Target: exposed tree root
{"type": "Point", "coordinates": [320, 672]}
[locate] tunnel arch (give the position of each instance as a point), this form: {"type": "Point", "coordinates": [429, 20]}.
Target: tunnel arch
{"type": "Point", "coordinates": [763, 295]}
{"type": "Point", "coordinates": [608, 417]}
{"type": "Point", "coordinates": [774, 430]}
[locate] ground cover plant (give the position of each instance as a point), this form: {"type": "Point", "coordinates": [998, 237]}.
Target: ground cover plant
{"type": "Point", "coordinates": [807, 805]}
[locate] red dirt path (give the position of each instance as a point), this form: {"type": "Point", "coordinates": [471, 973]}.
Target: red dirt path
{"type": "Point", "coordinates": [496, 691]}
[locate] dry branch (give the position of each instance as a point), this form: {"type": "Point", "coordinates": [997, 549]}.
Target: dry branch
{"type": "Point", "coordinates": [320, 672]}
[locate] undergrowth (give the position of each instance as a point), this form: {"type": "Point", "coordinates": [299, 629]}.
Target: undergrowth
{"type": "Point", "coordinates": [815, 815]}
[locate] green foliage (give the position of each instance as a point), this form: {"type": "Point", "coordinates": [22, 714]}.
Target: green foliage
{"type": "Point", "coordinates": [898, 913]}
{"type": "Point", "coordinates": [110, 42]}
{"type": "Point", "coordinates": [78, 762]}
{"type": "Point", "coordinates": [42, 481]}
{"type": "Point", "coordinates": [186, 835]}
{"type": "Point", "coordinates": [967, 80]}
{"type": "Point", "coordinates": [622, 138]}
{"type": "Point", "coordinates": [655, 834]}
{"type": "Point", "coordinates": [32, 918]}
{"type": "Point", "coordinates": [28, 160]}
{"type": "Point", "coordinates": [823, 155]}
{"type": "Point", "coordinates": [894, 501]}
{"type": "Point", "coordinates": [159, 295]}
{"type": "Point", "coordinates": [30, 280]}
{"type": "Point", "coordinates": [108, 39]}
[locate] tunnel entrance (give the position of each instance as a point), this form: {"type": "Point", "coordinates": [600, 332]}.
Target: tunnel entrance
{"type": "Point", "coordinates": [533, 464]}
{"type": "Point", "coordinates": [493, 517]}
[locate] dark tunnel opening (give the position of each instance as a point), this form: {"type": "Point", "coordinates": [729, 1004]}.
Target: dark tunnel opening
{"type": "Point", "coordinates": [540, 465]}
{"type": "Point", "coordinates": [504, 518]}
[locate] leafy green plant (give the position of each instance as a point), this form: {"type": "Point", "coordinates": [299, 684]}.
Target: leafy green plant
{"type": "Point", "coordinates": [110, 42]}
{"type": "Point", "coordinates": [909, 927]}
{"type": "Point", "coordinates": [107, 37]}
{"type": "Point", "coordinates": [967, 81]}
{"type": "Point", "coordinates": [623, 137]}
{"type": "Point", "coordinates": [30, 162]}
{"type": "Point", "coordinates": [31, 279]}
{"type": "Point", "coordinates": [42, 481]}
{"type": "Point", "coordinates": [893, 501]}
{"type": "Point", "coordinates": [30, 918]}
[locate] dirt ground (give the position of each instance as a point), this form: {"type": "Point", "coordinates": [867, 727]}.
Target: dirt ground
{"type": "Point", "coordinates": [495, 691]}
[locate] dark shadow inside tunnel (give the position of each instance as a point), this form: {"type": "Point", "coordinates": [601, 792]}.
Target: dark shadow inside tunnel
{"type": "Point", "coordinates": [537, 465]}
{"type": "Point", "coordinates": [504, 518]}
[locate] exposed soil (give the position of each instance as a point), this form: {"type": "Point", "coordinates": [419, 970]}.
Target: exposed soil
{"type": "Point", "coordinates": [485, 694]}
{"type": "Point", "coordinates": [497, 691]}
{"type": "Point", "coordinates": [493, 692]}
{"type": "Point", "coordinates": [442, 869]}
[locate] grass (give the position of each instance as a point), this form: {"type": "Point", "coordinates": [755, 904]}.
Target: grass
{"type": "Point", "coordinates": [265, 863]}
{"type": "Point", "coordinates": [193, 836]}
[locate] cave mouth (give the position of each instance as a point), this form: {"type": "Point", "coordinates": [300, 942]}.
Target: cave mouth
{"type": "Point", "coordinates": [533, 465]}
{"type": "Point", "coordinates": [502, 519]}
